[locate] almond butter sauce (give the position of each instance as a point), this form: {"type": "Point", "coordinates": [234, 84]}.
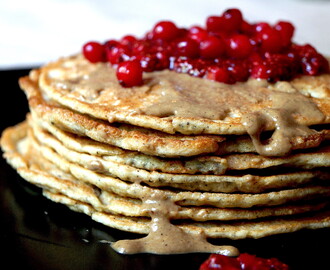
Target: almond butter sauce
{"type": "Point", "coordinates": [259, 105]}
{"type": "Point", "coordinates": [166, 238]}
{"type": "Point", "coordinates": [284, 107]}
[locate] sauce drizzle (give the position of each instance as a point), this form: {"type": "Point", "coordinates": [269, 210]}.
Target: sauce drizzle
{"type": "Point", "coordinates": [284, 107]}
{"type": "Point", "coordinates": [166, 238]}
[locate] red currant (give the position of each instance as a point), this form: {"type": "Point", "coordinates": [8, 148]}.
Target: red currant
{"type": "Point", "coordinates": [286, 31]}
{"type": "Point", "coordinates": [271, 40]}
{"type": "Point", "coordinates": [246, 260]}
{"type": "Point", "coordinates": [212, 47]}
{"type": "Point", "coordinates": [128, 40]}
{"type": "Point", "coordinates": [219, 74]}
{"type": "Point", "coordinates": [94, 52]}
{"type": "Point", "coordinates": [247, 28]}
{"type": "Point", "coordinates": [197, 33]}
{"type": "Point", "coordinates": [117, 54]}
{"type": "Point", "coordinates": [315, 64]}
{"type": "Point", "coordinates": [129, 73]}
{"type": "Point", "coordinates": [233, 19]}
{"type": "Point", "coordinates": [260, 71]}
{"type": "Point", "coordinates": [110, 44]}
{"type": "Point", "coordinates": [239, 46]}
{"type": "Point", "coordinates": [162, 60]}
{"type": "Point", "coordinates": [276, 264]}
{"type": "Point", "coordinates": [165, 30]}
{"type": "Point", "coordinates": [148, 62]}
{"type": "Point", "coordinates": [239, 71]}
{"type": "Point", "coordinates": [188, 48]}
{"type": "Point", "coordinates": [215, 23]}
{"type": "Point", "coordinates": [220, 262]}
{"type": "Point", "coordinates": [261, 27]}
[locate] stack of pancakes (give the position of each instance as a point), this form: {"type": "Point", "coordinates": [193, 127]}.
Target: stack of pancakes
{"type": "Point", "coordinates": [94, 146]}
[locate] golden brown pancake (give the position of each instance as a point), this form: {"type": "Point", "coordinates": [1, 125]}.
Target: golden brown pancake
{"type": "Point", "coordinates": [142, 140]}
{"type": "Point", "coordinates": [212, 183]}
{"type": "Point", "coordinates": [33, 167]}
{"type": "Point", "coordinates": [93, 89]}
{"type": "Point", "coordinates": [97, 155]}
{"type": "Point", "coordinates": [233, 230]}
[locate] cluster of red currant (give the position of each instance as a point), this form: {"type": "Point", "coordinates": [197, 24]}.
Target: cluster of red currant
{"type": "Point", "coordinates": [243, 262]}
{"type": "Point", "coordinates": [228, 49]}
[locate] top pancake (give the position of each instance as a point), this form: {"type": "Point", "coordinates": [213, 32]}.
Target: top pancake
{"type": "Point", "coordinates": [147, 141]}
{"type": "Point", "coordinates": [174, 102]}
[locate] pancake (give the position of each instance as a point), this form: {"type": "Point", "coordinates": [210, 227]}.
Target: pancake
{"type": "Point", "coordinates": [175, 102]}
{"type": "Point", "coordinates": [215, 183]}
{"type": "Point", "coordinates": [233, 230]}
{"type": "Point", "coordinates": [197, 106]}
{"type": "Point", "coordinates": [102, 156]}
{"type": "Point", "coordinates": [146, 141]}
{"type": "Point", "coordinates": [47, 176]}
{"type": "Point", "coordinates": [100, 95]}
{"type": "Point", "coordinates": [13, 144]}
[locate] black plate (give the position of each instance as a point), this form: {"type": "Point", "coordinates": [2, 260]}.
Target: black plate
{"type": "Point", "coordinates": [38, 234]}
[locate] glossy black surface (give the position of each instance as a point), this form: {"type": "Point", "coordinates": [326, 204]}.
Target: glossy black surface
{"type": "Point", "coordinates": [38, 234]}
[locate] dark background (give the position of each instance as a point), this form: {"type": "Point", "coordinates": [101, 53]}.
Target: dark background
{"type": "Point", "coordinates": [38, 234]}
